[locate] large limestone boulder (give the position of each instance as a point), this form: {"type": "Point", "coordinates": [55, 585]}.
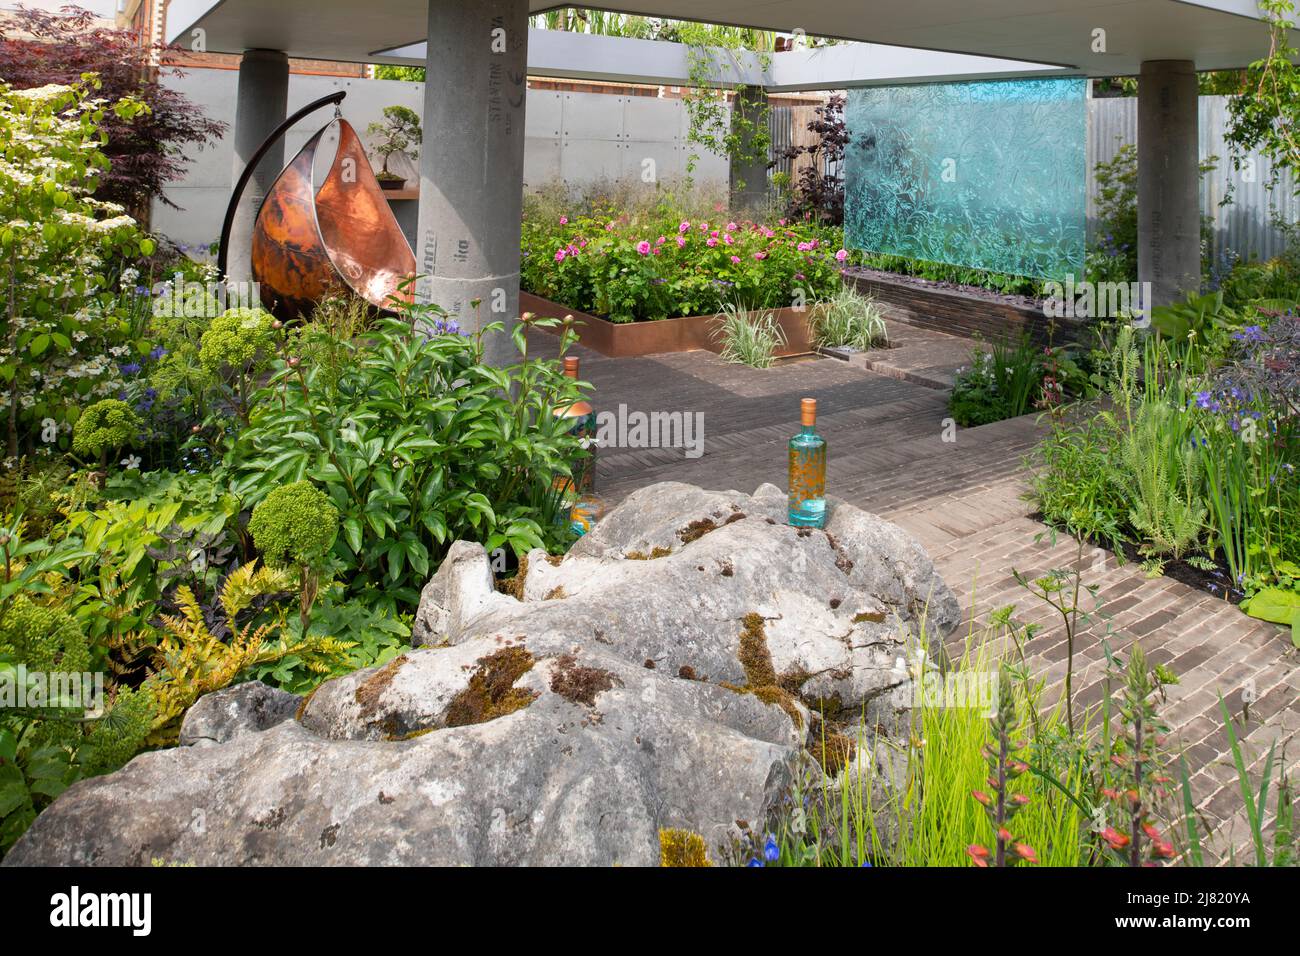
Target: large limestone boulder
{"type": "Point", "coordinates": [668, 672]}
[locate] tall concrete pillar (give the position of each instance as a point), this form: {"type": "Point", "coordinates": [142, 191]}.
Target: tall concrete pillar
{"type": "Point", "coordinates": [261, 105]}
{"type": "Point", "coordinates": [749, 177]}
{"type": "Point", "coordinates": [1169, 200]}
{"type": "Point", "coordinates": [472, 163]}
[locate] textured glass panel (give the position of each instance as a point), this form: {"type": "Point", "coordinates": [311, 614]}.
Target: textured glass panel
{"type": "Point", "coordinates": [990, 175]}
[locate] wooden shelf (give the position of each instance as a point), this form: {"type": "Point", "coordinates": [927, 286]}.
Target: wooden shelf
{"type": "Point", "coordinates": [408, 192]}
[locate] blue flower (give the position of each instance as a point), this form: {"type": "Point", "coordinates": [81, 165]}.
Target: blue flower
{"type": "Point", "coordinates": [865, 863]}
{"type": "Point", "coordinates": [130, 368]}
{"type": "Point", "coordinates": [1204, 399]}
{"type": "Point", "coordinates": [771, 851]}
{"type": "Point", "coordinates": [754, 862]}
{"type": "Point", "coordinates": [157, 353]}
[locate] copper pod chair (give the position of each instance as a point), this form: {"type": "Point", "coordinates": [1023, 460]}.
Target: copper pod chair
{"type": "Point", "coordinates": [310, 244]}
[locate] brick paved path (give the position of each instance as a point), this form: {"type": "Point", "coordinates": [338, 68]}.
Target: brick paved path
{"type": "Point", "coordinates": [962, 499]}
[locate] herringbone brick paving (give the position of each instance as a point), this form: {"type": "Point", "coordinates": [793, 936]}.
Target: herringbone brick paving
{"type": "Point", "coordinates": [963, 500]}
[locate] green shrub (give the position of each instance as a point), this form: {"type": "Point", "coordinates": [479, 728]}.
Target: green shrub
{"type": "Point", "coordinates": [295, 525]}
{"type": "Point", "coordinates": [103, 427]}
{"type": "Point", "coordinates": [417, 442]}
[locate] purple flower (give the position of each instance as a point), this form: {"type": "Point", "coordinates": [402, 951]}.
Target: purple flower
{"type": "Point", "coordinates": [771, 852]}
{"type": "Point", "coordinates": [130, 368]}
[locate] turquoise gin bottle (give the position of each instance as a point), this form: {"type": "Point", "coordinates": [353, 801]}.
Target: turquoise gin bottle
{"type": "Point", "coordinates": [808, 471]}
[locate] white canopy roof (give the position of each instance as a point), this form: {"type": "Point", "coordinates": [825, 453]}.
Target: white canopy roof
{"type": "Point", "coordinates": [1215, 34]}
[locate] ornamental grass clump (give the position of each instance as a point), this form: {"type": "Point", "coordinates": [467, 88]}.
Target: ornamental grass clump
{"type": "Point", "coordinates": [295, 527]}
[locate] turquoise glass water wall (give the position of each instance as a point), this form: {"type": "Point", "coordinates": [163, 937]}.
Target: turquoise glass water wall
{"type": "Point", "coordinates": [990, 175]}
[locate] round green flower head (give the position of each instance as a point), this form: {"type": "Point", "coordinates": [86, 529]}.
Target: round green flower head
{"type": "Point", "coordinates": [103, 426]}
{"type": "Point", "coordinates": [190, 302]}
{"type": "Point", "coordinates": [42, 638]}
{"type": "Point", "coordinates": [238, 339]}
{"type": "Point", "coordinates": [295, 525]}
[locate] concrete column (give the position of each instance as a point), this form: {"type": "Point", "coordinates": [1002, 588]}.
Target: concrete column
{"type": "Point", "coordinates": [472, 163]}
{"type": "Point", "coordinates": [1169, 194]}
{"type": "Point", "coordinates": [261, 105]}
{"type": "Point", "coordinates": [749, 179]}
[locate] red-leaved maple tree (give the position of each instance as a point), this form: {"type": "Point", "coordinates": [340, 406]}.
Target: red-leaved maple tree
{"type": "Point", "coordinates": [39, 47]}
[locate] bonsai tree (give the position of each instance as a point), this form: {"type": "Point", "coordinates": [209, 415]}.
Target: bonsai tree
{"type": "Point", "coordinates": [398, 133]}
{"type": "Point", "coordinates": [104, 427]}
{"type": "Point", "coordinates": [295, 527]}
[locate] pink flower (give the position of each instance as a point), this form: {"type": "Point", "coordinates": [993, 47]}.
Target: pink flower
{"type": "Point", "coordinates": [681, 242]}
{"type": "Point", "coordinates": [560, 254]}
{"type": "Point", "coordinates": [684, 226]}
{"type": "Point", "coordinates": [704, 227]}
{"type": "Point", "coordinates": [760, 255]}
{"type": "Point", "coordinates": [736, 260]}
{"type": "Point", "coordinates": [643, 247]}
{"type": "Point", "coordinates": [564, 220]}
{"type": "Point", "coordinates": [841, 255]}
{"type": "Point", "coordinates": [727, 238]}
{"type": "Point", "coordinates": [609, 227]}
{"type": "Point", "coordinates": [803, 247]}
{"type": "Point", "coordinates": [731, 227]}
{"type": "Point", "coordinates": [780, 222]}
{"type": "Point", "coordinates": [714, 234]}
{"type": "Point", "coordinates": [711, 242]}
{"type": "Point", "coordinates": [660, 241]}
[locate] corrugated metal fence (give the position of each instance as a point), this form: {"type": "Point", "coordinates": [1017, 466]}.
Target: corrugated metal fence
{"type": "Point", "coordinates": [1244, 227]}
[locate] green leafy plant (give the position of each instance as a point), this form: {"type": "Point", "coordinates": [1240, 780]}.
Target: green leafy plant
{"type": "Point", "coordinates": [1000, 383]}
{"type": "Point", "coordinates": [417, 442]}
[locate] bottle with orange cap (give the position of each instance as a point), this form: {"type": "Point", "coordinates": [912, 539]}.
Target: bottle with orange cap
{"type": "Point", "coordinates": [808, 471]}
{"type": "Point", "coordinates": [582, 419]}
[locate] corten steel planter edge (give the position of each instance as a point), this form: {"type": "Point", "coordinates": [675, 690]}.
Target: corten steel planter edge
{"type": "Point", "coordinates": [682, 334]}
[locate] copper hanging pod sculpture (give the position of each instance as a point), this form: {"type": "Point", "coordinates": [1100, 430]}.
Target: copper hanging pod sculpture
{"type": "Point", "coordinates": [309, 244]}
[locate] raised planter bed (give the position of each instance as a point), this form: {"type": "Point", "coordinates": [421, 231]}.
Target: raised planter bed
{"type": "Point", "coordinates": [631, 339]}
{"type": "Point", "coordinates": [961, 311]}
